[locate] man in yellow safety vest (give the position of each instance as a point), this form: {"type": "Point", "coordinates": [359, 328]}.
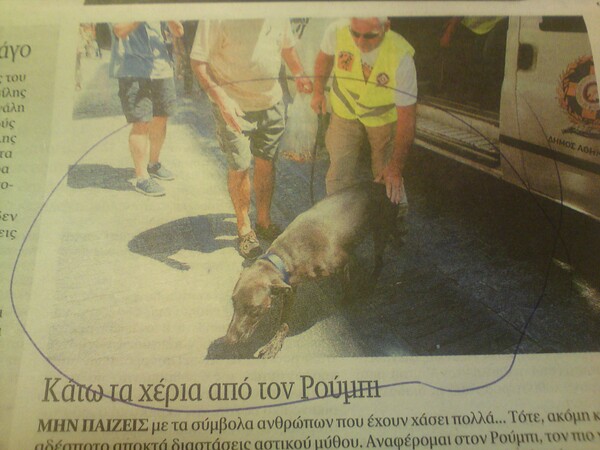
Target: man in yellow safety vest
{"type": "Point", "coordinates": [373, 99]}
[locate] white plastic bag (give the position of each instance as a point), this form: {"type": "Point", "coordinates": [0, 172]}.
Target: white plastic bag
{"type": "Point", "coordinates": [298, 141]}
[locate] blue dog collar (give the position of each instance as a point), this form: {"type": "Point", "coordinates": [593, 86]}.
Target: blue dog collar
{"type": "Point", "coordinates": [279, 265]}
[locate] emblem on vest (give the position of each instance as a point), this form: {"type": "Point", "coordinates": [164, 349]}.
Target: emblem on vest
{"type": "Point", "coordinates": [382, 79]}
{"type": "Point", "coordinates": [345, 60]}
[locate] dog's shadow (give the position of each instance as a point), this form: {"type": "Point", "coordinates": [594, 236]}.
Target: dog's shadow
{"type": "Point", "coordinates": [204, 234]}
{"type": "Point", "coordinates": [100, 176]}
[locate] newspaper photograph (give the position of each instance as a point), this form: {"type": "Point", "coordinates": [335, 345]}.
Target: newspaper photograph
{"type": "Point", "coordinates": [299, 225]}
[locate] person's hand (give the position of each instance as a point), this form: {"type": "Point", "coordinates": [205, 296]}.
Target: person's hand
{"type": "Point", "coordinates": [304, 84]}
{"type": "Point", "coordinates": [318, 103]}
{"type": "Point", "coordinates": [231, 112]}
{"type": "Point", "coordinates": [392, 178]}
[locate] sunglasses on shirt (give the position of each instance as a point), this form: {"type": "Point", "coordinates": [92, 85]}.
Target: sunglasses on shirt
{"type": "Point", "coordinates": [367, 36]}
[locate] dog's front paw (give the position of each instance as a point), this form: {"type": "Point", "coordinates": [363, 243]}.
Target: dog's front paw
{"type": "Point", "coordinates": [270, 350]}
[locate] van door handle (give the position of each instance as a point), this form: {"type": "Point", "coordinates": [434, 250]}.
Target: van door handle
{"type": "Point", "coordinates": [525, 57]}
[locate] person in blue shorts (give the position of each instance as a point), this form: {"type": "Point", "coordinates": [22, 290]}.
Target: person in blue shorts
{"type": "Point", "coordinates": [141, 61]}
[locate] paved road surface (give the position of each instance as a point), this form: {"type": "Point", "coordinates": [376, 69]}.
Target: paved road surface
{"type": "Point", "coordinates": [476, 274]}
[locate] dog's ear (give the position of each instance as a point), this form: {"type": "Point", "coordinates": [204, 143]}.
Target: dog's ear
{"type": "Point", "coordinates": [280, 288]}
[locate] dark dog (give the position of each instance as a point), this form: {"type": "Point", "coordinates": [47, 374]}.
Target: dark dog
{"type": "Point", "coordinates": [318, 243]}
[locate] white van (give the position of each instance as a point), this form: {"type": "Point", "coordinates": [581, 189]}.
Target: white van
{"type": "Point", "coordinates": [520, 103]}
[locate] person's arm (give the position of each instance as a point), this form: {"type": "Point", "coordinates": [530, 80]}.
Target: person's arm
{"type": "Point", "coordinates": [303, 83]}
{"type": "Point", "coordinates": [323, 68]}
{"type": "Point", "coordinates": [405, 136]}
{"type": "Point", "coordinates": [449, 30]}
{"type": "Point", "coordinates": [204, 40]}
{"type": "Point", "coordinates": [176, 28]}
{"type": "Point", "coordinates": [122, 30]}
{"type": "Point", "coordinates": [229, 108]}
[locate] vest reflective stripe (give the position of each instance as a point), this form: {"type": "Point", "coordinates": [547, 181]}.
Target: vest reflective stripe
{"type": "Point", "coordinates": [370, 111]}
{"type": "Point", "coordinates": [371, 102]}
{"type": "Point", "coordinates": [338, 96]}
{"type": "Point", "coordinates": [380, 111]}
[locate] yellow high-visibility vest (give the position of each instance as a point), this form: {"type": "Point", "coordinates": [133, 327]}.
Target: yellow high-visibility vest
{"type": "Point", "coordinates": [371, 102]}
{"type": "Point", "coordinates": [481, 24]}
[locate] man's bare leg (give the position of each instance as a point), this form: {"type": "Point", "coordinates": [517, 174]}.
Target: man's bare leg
{"type": "Point", "coordinates": [264, 183]}
{"type": "Point", "coordinates": [238, 183]}
{"type": "Point", "coordinates": [157, 130]}
{"type": "Point", "coordinates": [138, 146]}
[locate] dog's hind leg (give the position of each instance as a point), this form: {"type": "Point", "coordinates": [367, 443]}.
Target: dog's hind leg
{"type": "Point", "coordinates": [348, 277]}
{"type": "Point", "coordinates": [383, 229]}
{"type": "Point", "coordinates": [379, 244]}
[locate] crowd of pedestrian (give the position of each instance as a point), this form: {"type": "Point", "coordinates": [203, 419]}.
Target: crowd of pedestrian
{"type": "Point", "coordinates": [372, 102]}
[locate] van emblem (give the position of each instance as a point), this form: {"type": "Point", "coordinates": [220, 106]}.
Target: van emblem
{"type": "Point", "coordinates": [578, 96]}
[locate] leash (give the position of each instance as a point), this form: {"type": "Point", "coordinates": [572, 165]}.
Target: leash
{"type": "Point", "coordinates": [320, 126]}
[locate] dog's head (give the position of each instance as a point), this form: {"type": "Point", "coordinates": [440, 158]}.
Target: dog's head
{"type": "Point", "coordinates": [253, 297]}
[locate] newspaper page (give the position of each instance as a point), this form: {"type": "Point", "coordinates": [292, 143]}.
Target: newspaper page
{"type": "Point", "coordinates": [454, 303]}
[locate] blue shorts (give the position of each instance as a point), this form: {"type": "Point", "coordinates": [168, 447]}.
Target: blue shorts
{"type": "Point", "coordinates": [142, 98]}
{"type": "Point", "coordinates": [262, 138]}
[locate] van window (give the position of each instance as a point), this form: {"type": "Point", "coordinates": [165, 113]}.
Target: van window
{"type": "Point", "coordinates": [457, 65]}
{"type": "Point", "coordinates": [571, 24]}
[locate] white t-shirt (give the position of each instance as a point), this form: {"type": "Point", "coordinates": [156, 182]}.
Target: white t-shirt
{"type": "Point", "coordinates": [406, 73]}
{"type": "Point", "coordinates": [244, 57]}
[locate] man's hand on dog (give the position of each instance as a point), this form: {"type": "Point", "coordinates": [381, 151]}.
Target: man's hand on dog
{"type": "Point", "coordinates": [392, 178]}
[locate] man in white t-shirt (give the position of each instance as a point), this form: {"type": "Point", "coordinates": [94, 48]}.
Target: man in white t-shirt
{"type": "Point", "coordinates": [373, 98]}
{"type": "Point", "coordinates": [237, 62]}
